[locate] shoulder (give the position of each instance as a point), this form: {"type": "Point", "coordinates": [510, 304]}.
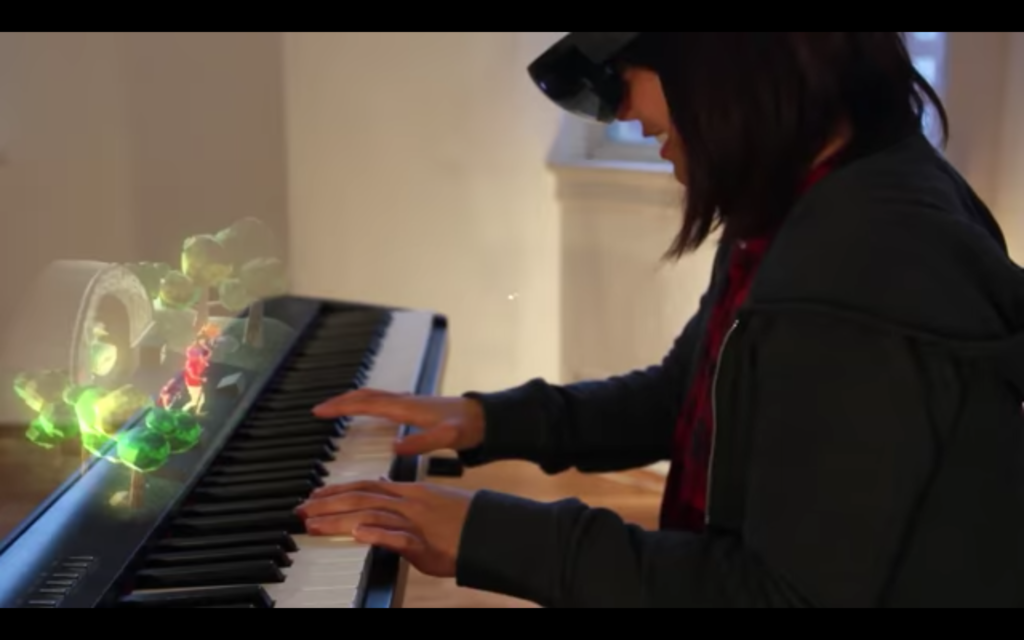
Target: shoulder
{"type": "Point", "coordinates": [898, 236]}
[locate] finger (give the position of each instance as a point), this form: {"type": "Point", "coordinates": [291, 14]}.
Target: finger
{"type": "Point", "coordinates": [386, 406]}
{"type": "Point", "coordinates": [344, 525]}
{"type": "Point", "coordinates": [403, 543]}
{"type": "Point", "coordinates": [439, 438]}
{"type": "Point", "coordinates": [352, 397]}
{"type": "Point", "coordinates": [350, 503]}
{"type": "Point", "coordinates": [381, 487]}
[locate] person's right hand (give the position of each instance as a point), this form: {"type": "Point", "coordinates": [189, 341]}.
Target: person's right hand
{"type": "Point", "coordinates": [445, 423]}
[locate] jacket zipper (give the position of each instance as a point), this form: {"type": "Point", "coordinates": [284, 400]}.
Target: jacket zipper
{"type": "Point", "coordinates": [714, 418]}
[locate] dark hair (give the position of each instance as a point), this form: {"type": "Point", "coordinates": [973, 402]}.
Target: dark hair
{"type": "Point", "coordinates": [755, 109]}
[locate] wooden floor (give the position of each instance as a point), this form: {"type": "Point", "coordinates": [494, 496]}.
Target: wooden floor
{"type": "Point", "coordinates": [635, 496]}
{"type": "Point", "coordinates": [28, 474]}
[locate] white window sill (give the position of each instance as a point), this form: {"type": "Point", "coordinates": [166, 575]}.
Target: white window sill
{"type": "Point", "coordinates": [614, 182]}
{"type": "Point", "coordinates": [588, 173]}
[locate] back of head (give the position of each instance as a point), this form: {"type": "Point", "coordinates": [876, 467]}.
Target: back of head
{"type": "Point", "coordinates": [755, 110]}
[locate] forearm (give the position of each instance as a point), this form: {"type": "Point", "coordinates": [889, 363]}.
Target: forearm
{"type": "Point", "coordinates": [566, 555]}
{"type": "Point", "coordinates": [622, 423]}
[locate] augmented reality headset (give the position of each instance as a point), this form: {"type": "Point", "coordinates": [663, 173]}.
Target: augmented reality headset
{"type": "Point", "coordinates": [578, 73]}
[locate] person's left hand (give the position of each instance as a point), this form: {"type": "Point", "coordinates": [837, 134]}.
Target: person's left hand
{"type": "Point", "coordinates": [422, 523]}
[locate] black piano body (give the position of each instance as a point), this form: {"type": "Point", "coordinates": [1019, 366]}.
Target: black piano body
{"type": "Point", "coordinates": [261, 453]}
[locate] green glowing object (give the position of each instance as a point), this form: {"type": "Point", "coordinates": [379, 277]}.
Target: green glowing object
{"type": "Point", "coordinates": [205, 261]}
{"type": "Point", "coordinates": [233, 295]}
{"type": "Point", "coordinates": [150, 274]}
{"type": "Point", "coordinates": [180, 428]}
{"type": "Point", "coordinates": [102, 358]}
{"type": "Point", "coordinates": [247, 240]}
{"type": "Point", "coordinates": [264, 278]}
{"type": "Point", "coordinates": [49, 428]}
{"type": "Point", "coordinates": [85, 401]}
{"type": "Point", "coordinates": [41, 388]}
{"type": "Point", "coordinates": [178, 291]}
{"type": "Point", "coordinates": [143, 450]}
{"type": "Point", "coordinates": [40, 435]}
{"type": "Point", "coordinates": [96, 442]}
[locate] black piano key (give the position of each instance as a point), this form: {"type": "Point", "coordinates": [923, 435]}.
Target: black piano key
{"type": "Point", "coordinates": [311, 427]}
{"type": "Point", "coordinates": [318, 373]}
{"type": "Point", "coordinates": [270, 419]}
{"type": "Point", "coordinates": [230, 469]}
{"type": "Point", "coordinates": [275, 554]}
{"type": "Point", "coordinates": [247, 595]}
{"type": "Point", "coordinates": [306, 397]}
{"type": "Point", "coordinates": [342, 325]}
{"type": "Point", "coordinates": [351, 318]}
{"type": "Point", "coordinates": [262, 478]}
{"type": "Point", "coordinates": [231, 606]}
{"type": "Point", "coordinates": [276, 538]}
{"type": "Point", "coordinates": [288, 401]}
{"type": "Point", "coordinates": [211, 575]}
{"type": "Point", "coordinates": [241, 523]}
{"type": "Point", "coordinates": [342, 335]}
{"type": "Point", "coordinates": [317, 381]}
{"type": "Point", "coordinates": [321, 376]}
{"type": "Point", "coordinates": [349, 355]}
{"type": "Point", "coordinates": [336, 363]}
{"type": "Point", "coordinates": [336, 387]}
{"type": "Point", "coordinates": [282, 443]}
{"type": "Point", "coordinates": [241, 506]}
{"type": "Point", "coordinates": [346, 356]}
{"type": "Point", "coordinates": [319, 452]}
{"type": "Point", "coordinates": [290, 489]}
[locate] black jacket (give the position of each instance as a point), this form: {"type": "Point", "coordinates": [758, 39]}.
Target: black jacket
{"type": "Point", "coordinates": [869, 447]}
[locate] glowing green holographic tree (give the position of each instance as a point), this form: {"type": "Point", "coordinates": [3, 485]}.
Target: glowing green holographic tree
{"type": "Point", "coordinates": [95, 415]}
{"type": "Point", "coordinates": [167, 432]}
{"type": "Point", "coordinates": [260, 279]}
{"type": "Point", "coordinates": [43, 392]}
{"type": "Point", "coordinates": [205, 262]}
{"type": "Point", "coordinates": [257, 273]}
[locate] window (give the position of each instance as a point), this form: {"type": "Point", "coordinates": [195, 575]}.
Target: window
{"type": "Point", "coordinates": [624, 141]}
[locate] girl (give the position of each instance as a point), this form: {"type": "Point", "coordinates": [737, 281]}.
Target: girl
{"type": "Point", "coordinates": [844, 410]}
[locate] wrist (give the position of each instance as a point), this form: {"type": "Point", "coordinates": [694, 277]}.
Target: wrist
{"type": "Point", "coordinates": [476, 423]}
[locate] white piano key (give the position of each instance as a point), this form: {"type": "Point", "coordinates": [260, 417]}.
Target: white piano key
{"type": "Point", "coordinates": [327, 572]}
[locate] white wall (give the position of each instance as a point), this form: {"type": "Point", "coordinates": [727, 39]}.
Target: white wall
{"type": "Point", "coordinates": [413, 174]}
{"type": "Point", "coordinates": [985, 103]}
{"type": "Point", "coordinates": [1009, 197]}
{"type": "Point", "coordinates": [118, 146]}
{"type": "Point", "coordinates": [417, 175]}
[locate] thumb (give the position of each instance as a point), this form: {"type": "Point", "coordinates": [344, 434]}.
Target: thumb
{"type": "Point", "coordinates": [443, 436]}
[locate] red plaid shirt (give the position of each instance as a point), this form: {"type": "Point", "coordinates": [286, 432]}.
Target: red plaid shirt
{"type": "Point", "coordinates": [685, 502]}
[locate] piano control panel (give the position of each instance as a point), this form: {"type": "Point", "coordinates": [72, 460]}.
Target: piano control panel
{"type": "Point", "coordinates": [214, 526]}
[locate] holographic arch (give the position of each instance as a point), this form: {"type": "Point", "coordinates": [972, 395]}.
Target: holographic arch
{"type": "Point", "coordinates": [70, 299]}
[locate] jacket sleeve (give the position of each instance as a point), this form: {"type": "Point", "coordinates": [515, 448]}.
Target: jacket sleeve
{"type": "Point", "coordinates": [840, 456]}
{"type": "Point", "coordinates": [625, 422]}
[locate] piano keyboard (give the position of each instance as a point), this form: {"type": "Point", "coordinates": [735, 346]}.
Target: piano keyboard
{"type": "Point", "coordinates": [234, 541]}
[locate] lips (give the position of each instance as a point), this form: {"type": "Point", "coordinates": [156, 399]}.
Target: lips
{"type": "Point", "coordinates": [663, 140]}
